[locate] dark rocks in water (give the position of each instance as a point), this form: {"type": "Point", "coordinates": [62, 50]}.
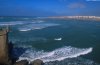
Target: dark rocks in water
{"type": "Point", "coordinates": [37, 62]}
{"type": "Point", "coordinates": [22, 62]}
{"type": "Point", "coordinates": [6, 52]}
{"type": "Point", "coordinates": [16, 52]}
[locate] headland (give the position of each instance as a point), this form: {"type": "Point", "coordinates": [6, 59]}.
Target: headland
{"type": "Point", "coordinates": [97, 18]}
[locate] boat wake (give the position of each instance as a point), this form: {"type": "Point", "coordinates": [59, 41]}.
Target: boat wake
{"type": "Point", "coordinates": [57, 54]}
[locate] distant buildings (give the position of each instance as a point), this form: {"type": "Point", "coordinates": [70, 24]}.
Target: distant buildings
{"type": "Point", "coordinates": [78, 17]}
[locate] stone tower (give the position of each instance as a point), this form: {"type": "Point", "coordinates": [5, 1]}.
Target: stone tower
{"type": "Point", "coordinates": [4, 50]}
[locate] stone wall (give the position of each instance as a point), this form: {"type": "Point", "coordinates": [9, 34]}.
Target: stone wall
{"type": "Point", "coordinates": [4, 50]}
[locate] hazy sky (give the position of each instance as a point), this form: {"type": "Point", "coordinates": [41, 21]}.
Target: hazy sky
{"type": "Point", "coordinates": [49, 7]}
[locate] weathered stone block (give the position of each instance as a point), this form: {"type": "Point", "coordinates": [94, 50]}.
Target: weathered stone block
{"type": "Point", "coordinates": [4, 50]}
{"type": "Point", "coordinates": [37, 62]}
{"type": "Point", "coordinates": [22, 62]}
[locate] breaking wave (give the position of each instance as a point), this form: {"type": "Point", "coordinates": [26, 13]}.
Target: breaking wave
{"type": "Point", "coordinates": [19, 22]}
{"type": "Point", "coordinates": [58, 39]}
{"type": "Point", "coordinates": [57, 54]}
{"type": "Point", "coordinates": [38, 21]}
{"type": "Point", "coordinates": [73, 61]}
{"type": "Point", "coordinates": [28, 25]}
{"type": "Point", "coordinates": [11, 23]}
{"type": "Point", "coordinates": [35, 26]}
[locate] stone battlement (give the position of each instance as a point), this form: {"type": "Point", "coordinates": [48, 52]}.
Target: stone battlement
{"type": "Point", "coordinates": [4, 50]}
{"type": "Point", "coordinates": [3, 32]}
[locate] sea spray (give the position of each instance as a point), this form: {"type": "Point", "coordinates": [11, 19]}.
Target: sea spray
{"type": "Point", "coordinates": [57, 54]}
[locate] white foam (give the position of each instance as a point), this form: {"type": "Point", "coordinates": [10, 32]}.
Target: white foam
{"type": "Point", "coordinates": [58, 54]}
{"type": "Point", "coordinates": [11, 23]}
{"type": "Point", "coordinates": [34, 26]}
{"type": "Point", "coordinates": [29, 29]}
{"type": "Point", "coordinates": [40, 21]}
{"type": "Point", "coordinates": [24, 30]}
{"type": "Point", "coordinates": [58, 39]}
{"type": "Point", "coordinates": [24, 46]}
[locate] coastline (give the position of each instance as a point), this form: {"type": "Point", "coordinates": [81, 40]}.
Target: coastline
{"type": "Point", "coordinates": [60, 30]}
{"type": "Point", "coordinates": [96, 18]}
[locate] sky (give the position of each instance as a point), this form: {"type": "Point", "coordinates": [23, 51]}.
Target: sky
{"type": "Point", "coordinates": [49, 7]}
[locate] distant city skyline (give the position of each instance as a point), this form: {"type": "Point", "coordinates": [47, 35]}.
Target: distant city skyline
{"type": "Point", "coordinates": [49, 8]}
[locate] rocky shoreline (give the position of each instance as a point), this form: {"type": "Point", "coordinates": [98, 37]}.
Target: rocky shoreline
{"type": "Point", "coordinates": [7, 59]}
{"type": "Point", "coordinates": [6, 50]}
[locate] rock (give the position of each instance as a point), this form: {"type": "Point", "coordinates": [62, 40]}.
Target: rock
{"type": "Point", "coordinates": [22, 62]}
{"type": "Point", "coordinates": [37, 62]}
{"type": "Point", "coordinates": [4, 48]}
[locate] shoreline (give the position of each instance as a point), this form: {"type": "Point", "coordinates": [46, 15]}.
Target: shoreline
{"type": "Point", "coordinates": [95, 18]}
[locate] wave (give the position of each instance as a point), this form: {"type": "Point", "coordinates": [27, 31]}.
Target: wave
{"type": "Point", "coordinates": [11, 23]}
{"type": "Point", "coordinates": [29, 28]}
{"type": "Point", "coordinates": [24, 29]}
{"type": "Point", "coordinates": [20, 22]}
{"type": "Point", "coordinates": [58, 39]}
{"type": "Point", "coordinates": [38, 21]}
{"type": "Point", "coordinates": [28, 39]}
{"type": "Point", "coordinates": [73, 61]}
{"type": "Point", "coordinates": [35, 26]}
{"type": "Point", "coordinates": [28, 25]}
{"type": "Point", "coordinates": [57, 54]}
{"type": "Point", "coordinates": [15, 23]}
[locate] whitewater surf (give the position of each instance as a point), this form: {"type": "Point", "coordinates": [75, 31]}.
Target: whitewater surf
{"type": "Point", "coordinates": [57, 54]}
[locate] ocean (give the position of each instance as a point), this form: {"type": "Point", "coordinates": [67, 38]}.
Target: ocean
{"type": "Point", "coordinates": [55, 41]}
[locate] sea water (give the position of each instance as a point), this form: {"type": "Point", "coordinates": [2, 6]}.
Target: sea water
{"type": "Point", "coordinates": [55, 41]}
